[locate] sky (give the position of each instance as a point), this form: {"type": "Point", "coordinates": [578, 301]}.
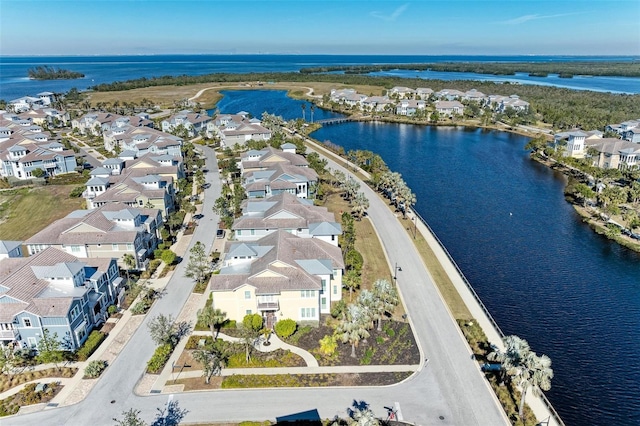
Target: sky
{"type": "Point", "coordinates": [419, 27]}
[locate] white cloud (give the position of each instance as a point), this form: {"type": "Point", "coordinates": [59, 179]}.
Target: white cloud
{"type": "Point", "coordinates": [395, 15]}
{"type": "Point", "coordinates": [526, 18]}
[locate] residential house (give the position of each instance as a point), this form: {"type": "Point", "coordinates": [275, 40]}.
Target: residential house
{"type": "Point", "coordinates": [95, 123]}
{"type": "Point", "coordinates": [514, 102]}
{"type": "Point", "coordinates": [279, 178]}
{"type": "Point", "coordinates": [401, 92]}
{"type": "Point", "coordinates": [112, 230]}
{"type": "Point", "coordinates": [50, 117]}
{"type": "Point", "coordinates": [410, 107]}
{"type": "Point", "coordinates": [574, 141]}
{"type": "Point", "coordinates": [285, 211]}
{"type": "Point", "coordinates": [141, 141]}
{"type": "Point", "coordinates": [423, 93]}
{"type": "Point", "coordinates": [447, 108]}
{"type": "Point", "coordinates": [239, 129]}
{"type": "Point", "coordinates": [449, 94]}
{"type": "Point", "coordinates": [377, 103]}
{"type": "Point", "coordinates": [25, 103]}
{"type": "Point", "coordinates": [55, 291]}
{"type": "Point", "coordinates": [145, 181]}
{"type": "Point", "coordinates": [474, 96]}
{"type": "Point", "coordinates": [338, 95]}
{"type": "Point", "coordinates": [279, 276]}
{"type": "Point", "coordinates": [614, 153]}
{"type": "Point", "coordinates": [268, 157]}
{"type": "Point", "coordinates": [24, 149]}
{"type": "Point", "coordinates": [193, 122]}
{"type": "Point", "coordinates": [10, 249]}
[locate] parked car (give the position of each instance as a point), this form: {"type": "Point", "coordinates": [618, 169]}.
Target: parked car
{"type": "Point", "coordinates": [220, 233]}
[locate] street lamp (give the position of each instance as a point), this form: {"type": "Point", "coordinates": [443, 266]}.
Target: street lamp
{"type": "Point", "coordinates": [396, 269]}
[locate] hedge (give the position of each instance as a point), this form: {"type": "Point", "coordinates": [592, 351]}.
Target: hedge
{"type": "Point", "coordinates": [159, 359]}
{"type": "Point", "coordinates": [90, 345]}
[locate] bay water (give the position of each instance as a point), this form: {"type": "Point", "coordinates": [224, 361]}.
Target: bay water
{"type": "Point", "coordinates": [542, 273]}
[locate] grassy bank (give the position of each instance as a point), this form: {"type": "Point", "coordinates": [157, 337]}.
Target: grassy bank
{"type": "Point", "coordinates": [26, 211]}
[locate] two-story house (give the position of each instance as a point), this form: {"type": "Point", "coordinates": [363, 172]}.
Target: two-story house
{"type": "Point", "coordinates": [279, 276]}
{"type": "Point", "coordinates": [112, 230]}
{"type": "Point", "coordinates": [58, 292]}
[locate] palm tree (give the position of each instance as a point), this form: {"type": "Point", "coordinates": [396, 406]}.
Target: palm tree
{"type": "Point", "coordinates": [388, 297]}
{"type": "Point", "coordinates": [372, 306]}
{"type": "Point", "coordinates": [213, 318]}
{"type": "Point", "coordinates": [130, 262]}
{"type": "Point", "coordinates": [536, 373]}
{"type": "Point", "coordinates": [360, 205]}
{"type": "Point", "coordinates": [524, 367]}
{"type": "Point", "coordinates": [353, 327]}
{"type": "Point", "coordinates": [312, 108]}
{"type": "Point", "coordinates": [351, 281]}
{"type": "Point", "coordinates": [304, 107]}
{"type": "Point", "coordinates": [361, 415]}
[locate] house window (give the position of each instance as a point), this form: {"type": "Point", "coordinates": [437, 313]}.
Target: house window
{"type": "Point", "coordinates": [307, 313]}
{"type": "Point", "coordinates": [32, 342]}
{"type": "Point", "coordinates": [335, 289]}
{"type": "Point", "coordinates": [114, 247]}
{"type": "Point", "coordinates": [253, 232]}
{"type": "Point", "coordinates": [324, 286]}
{"type": "Point", "coordinates": [248, 312]}
{"type": "Point", "coordinates": [323, 302]}
{"type": "Point", "coordinates": [129, 246]}
{"type": "Point", "coordinates": [75, 249]}
{"type": "Point", "coordinates": [239, 232]}
{"type": "Point", "coordinates": [75, 312]}
{"type": "Point", "coordinates": [247, 294]}
{"type": "Point", "coordinates": [307, 294]}
{"type": "Point", "coordinates": [27, 322]}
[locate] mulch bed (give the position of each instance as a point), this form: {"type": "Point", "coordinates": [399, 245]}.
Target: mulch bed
{"type": "Point", "coordinates": [397, 347]}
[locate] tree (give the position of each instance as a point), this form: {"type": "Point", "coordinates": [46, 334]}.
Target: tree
{"type": "Point", "coordinates": [535, 374]}
{"type": "Point", "coordinates": [7, 361]}
{"type": "Point", "coordinates": [351, 281]}
{"type": "Point", "coordinates": [353, 327]}
{"type": "Point", "coordinates": [168, 257]}
{"type": "Point", "coordinates": [388, 297]}
{"type": "Point", "coordinates": [212, 360]}
{"type": "Point", "coordinates": [524, 368]}
{"type": "Point", "coordinates": [361, 415]}
{"type": "Point", "coordinates": [131, 417]}
{"type": "Point", "coordinates": [49, 348]}
{"type": "Point", "coordinates": [198, 266]}
{"type": "Point", "coordinates": [130, 262]}
{"type": "Point", "coordinates": [165, 331]}
{"type": "Point", "coordinates": [170, 415]}
{"type": "Point", "coordinates": [249, 339]}
{"type": "Point", "coordinates": [584, 192]}
{"type": "Point", "coordinates": [360, 205]}
{"type": "Point", "coordinates": [372, 305]}
{"type": "Point", "coordinates": [212, 318]}
{"type": "Point", "coordinates": [304, 107]}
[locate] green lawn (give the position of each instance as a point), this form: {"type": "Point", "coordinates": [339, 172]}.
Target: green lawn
{"type": "Point", "coordinates": [26, 211]}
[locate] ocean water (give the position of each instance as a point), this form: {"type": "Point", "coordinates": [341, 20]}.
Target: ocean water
{"type": "Point", "coordinates": [542, 273]}
{"type": "Point", "coordinates": [105, 69]}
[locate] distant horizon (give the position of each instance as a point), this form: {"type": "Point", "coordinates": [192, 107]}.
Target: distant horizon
{"type": "Point", "coordinates": [85, 55]}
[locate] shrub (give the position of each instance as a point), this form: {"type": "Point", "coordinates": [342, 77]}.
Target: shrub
{"type": "Point", "coordinates": [112, 309]}
{"type": "Point", "coordinates": [159, 358]}
{"type": "Point", "coordinates": [141, 307]}
{"type": "Point", "coordinates": [77, 191]}
{"type": "Point", "coordinates": [285, 328]}
{"type": "Point", "coordinates": [328, 345]}
{"type": "Point", "coordinates": [230, 324]}
{"type": "Point", "coordinates": [90, 345]}
{"type": "Point", "coordinates": [168, 257]}
{"type": "Point", "coordinates": [95, 369]}
{"type": "Point", "coordinates": [353, 260]}
{"type": "Point", "coordinates": [252, 322]}
{"type": "Point", "coordinates": [194, 342]}
{"type": "Point", "coordinates": [338, 308]}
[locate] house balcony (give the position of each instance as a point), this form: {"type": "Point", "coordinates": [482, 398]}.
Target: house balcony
{"type": "Point", "coordinates": [10, 335]}
{"type": "Point", "coordinates": [268, 305]}
{"type": "Point", "coordinates": [89, 195]}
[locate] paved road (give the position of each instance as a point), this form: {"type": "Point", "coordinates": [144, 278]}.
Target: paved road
{"type": "Point", "coordinates": [448, 390]}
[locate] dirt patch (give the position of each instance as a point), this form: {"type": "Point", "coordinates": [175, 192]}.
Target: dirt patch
{"type": "Point", "coordinates": [394, 345]}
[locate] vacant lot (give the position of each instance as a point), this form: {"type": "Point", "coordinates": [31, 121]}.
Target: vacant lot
{"type": "Point", "coordinates": [26, 211]}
